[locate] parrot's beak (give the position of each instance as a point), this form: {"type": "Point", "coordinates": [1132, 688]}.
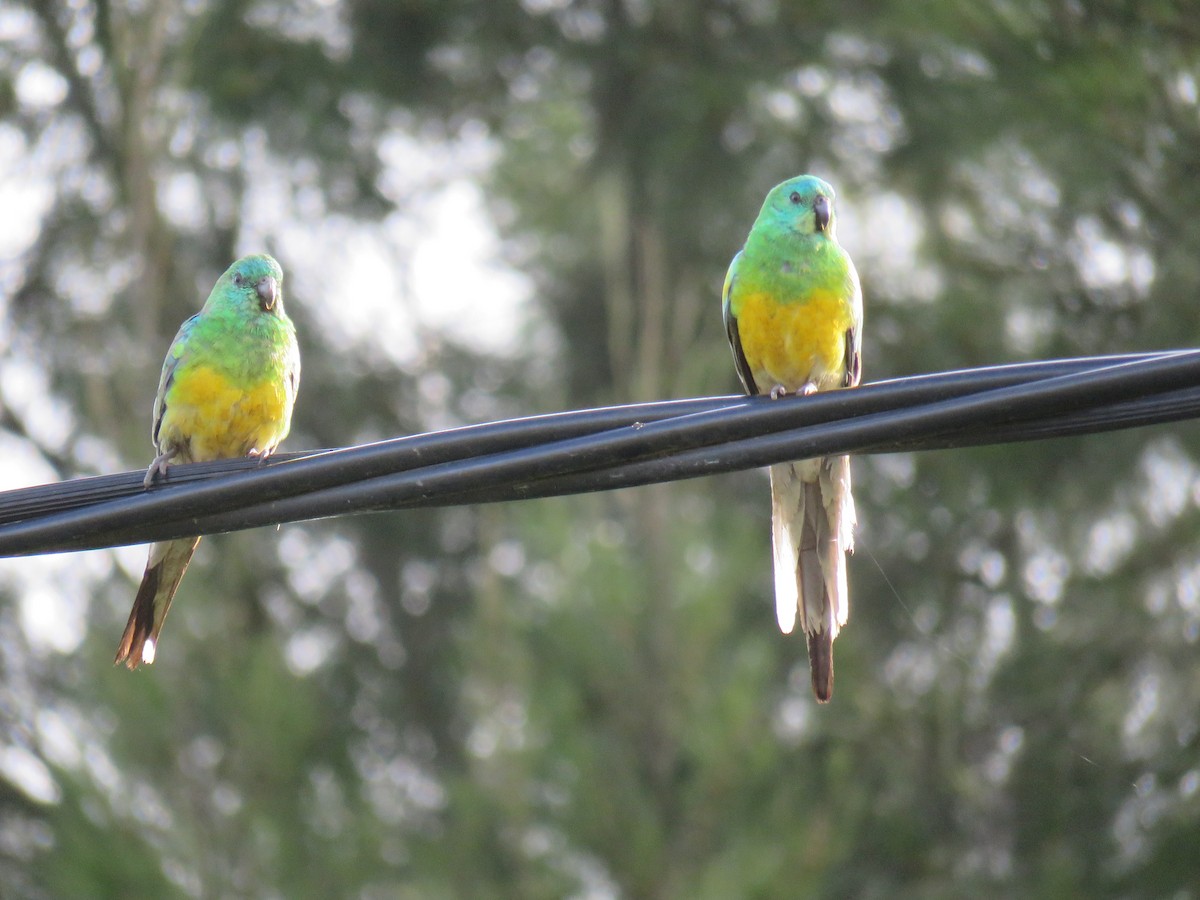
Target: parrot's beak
{"type": "Point", "coordinates": [821, 212]}
{"type": "Point", "coordinates": [268, 292]}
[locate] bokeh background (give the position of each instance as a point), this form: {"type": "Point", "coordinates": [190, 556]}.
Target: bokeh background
{"type": "Point", "coordinates": [489, 208]}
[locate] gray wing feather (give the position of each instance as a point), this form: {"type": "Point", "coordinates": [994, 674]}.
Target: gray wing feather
{"type": "Point", "coordinates": [170, 364]}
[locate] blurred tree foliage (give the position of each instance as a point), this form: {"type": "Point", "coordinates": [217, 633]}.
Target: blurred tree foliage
{"type": "Point", "coordinates": [586, 697]}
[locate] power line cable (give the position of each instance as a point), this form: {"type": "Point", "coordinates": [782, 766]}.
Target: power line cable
{"type": "Point", "coordinates": [605, 449]}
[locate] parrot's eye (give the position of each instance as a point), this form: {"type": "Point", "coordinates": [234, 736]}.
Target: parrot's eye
{"type": "Point", "coordinates": [795, 198]}
{"type": "Point", "coordinates": [238, 279]}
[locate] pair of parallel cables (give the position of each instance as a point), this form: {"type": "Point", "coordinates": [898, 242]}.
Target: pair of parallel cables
{"type": "Point", "coordinates": [609, 448]}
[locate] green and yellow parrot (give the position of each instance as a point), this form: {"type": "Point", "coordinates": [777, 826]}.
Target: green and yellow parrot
{"type": "Point", "coordinates": [793, 312]}
{"type": "Point", "coordinates": [227, 389]}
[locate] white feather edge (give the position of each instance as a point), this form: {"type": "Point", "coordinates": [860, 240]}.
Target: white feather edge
{"type": "Point", "coordinates": [785, 499]}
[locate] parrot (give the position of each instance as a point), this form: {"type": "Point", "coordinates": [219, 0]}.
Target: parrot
{"type": "Point", "coordinates": [792, 307]}
{"type": "Point", "coordinates": [227, 389]}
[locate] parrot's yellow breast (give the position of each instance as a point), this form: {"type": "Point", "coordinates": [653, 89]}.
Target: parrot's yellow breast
{"type": "Point", "coordinates": [794, 343]}
{"type": "Point", "coordinates": [217, 418]}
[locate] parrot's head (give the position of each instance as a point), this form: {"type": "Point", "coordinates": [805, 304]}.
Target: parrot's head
{"type": "Point", "coordinates": [803, 205]}
{"type": "Point", "coordinates": [255, 284]}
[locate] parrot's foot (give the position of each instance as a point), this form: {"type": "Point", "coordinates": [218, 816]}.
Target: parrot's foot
{"type": "Point", "coordinates": [780, 391]}
{"type": "Point", "coordinates": [158, 467]}
{"type": "Point", "coordinates": [261, 455]}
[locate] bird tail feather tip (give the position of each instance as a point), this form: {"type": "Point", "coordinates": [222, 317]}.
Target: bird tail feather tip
{"type": "Point", "coordinates": [164, 570]}
{"type": "Point", "coordinates": [820, 664]}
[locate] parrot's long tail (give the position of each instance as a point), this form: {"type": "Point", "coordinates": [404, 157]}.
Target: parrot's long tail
{"type": "Point", "coordinates": [812, 530]}
{"type": "Point", "coordinates": [164, 570]}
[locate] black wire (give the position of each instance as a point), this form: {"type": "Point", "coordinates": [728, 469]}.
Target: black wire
{"type": "Point", "coordinates": [1156, 410]}
{"type": "Point", "coordinates": [359, 462]}
{"type": "Point", "coordinates": [608, 448]}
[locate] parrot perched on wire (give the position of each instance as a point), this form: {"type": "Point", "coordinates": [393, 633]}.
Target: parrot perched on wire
{"type": "Point", "coordinates": [227, 389]}
{"type": "Point", "coordinates": [793, 313]}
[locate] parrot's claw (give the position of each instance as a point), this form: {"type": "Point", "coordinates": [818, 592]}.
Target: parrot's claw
{"type": "Point", "coordinates": [158, 467]}
{"type": "Point", "coordinates": [780, 391]}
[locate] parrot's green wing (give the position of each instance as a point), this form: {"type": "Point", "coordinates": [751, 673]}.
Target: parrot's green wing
{"type": "Point", "coordinates": [731, 329]}
{"type": "Point", "coordinates": [170, 364]}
